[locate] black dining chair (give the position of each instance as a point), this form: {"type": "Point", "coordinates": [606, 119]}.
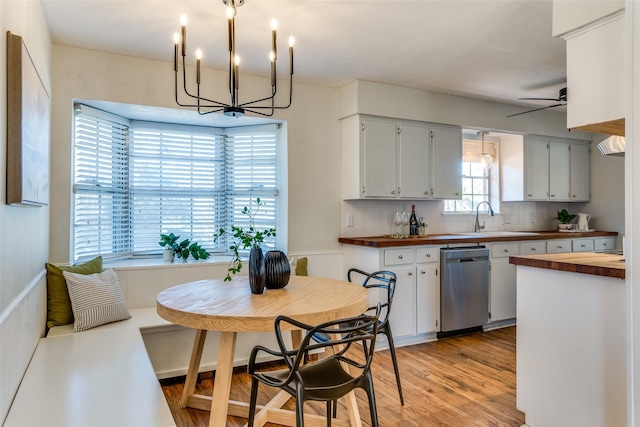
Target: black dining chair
{"type": "Point", "coordinates": [347, 367]}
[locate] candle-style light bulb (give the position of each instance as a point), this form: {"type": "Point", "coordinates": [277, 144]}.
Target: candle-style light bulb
{"type": "Point", "coordinates": [272, 58]}
{"type": "Point", "coordinates": [291, 42]}
{"type": "Point", "coordinates": [274, 32]}
{"type": "Point", "coordinates": [176, 41]}
{"type": "Point", "coordinates": [198, 58]}
{"type": "Point", "coordinates": [236, 61]}
{"type": "Point", "coordinates": [183, 28]}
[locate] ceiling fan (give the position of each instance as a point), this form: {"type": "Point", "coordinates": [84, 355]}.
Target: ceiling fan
{"type": "Point", "coordinates": [562, 97]}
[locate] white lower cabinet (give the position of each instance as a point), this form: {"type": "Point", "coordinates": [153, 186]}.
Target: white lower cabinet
{"type": "Point", "coordinates": [428, 289]}
{"type": "Point", "coordinates": [415, 313]}
{"type": "Point", "coordinates": [502, 286]}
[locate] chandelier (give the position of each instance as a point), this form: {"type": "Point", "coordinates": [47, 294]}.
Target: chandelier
{"type": "Point", "coordinates": [262, 106]}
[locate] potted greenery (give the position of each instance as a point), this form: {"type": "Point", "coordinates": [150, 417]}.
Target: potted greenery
{"type": "Point", "coordinates": [248, 238]}
{"type": "Point", "coordinates": [182, 249]}
{"type": "Point", "coordinates": [565, 219]}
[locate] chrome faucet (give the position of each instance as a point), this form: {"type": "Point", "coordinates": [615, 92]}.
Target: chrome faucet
{"type": "Point", "coordinates": [479, 227]}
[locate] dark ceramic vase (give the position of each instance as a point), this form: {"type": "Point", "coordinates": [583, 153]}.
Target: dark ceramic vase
{"type": "Point", "coordinates": [277, 268]}
{"type": "Point", "coordinates": [257, 274]}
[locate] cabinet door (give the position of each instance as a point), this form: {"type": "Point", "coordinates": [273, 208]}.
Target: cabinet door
{"type": "Point", "coordinates": [403, 311]}
{"type": "Point", "coordinates": [446, 176]}
{"type": "Point", "coordinates": [415, 158]}
{"type": "Point", "coordinates": [379, 158]}
{"type": "Point", "coordinates": [502, 299]}
{"type": "Point", "coordinates": [559, 176]}
{"type": "Point", "coordinates": [579, 166]}
{"type": "Point", "coordinates": [536, 169]}
{"type": "Point", "coordinates": [428, 298]}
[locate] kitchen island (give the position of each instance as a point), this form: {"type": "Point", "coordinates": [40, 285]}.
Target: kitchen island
{"type": "Point", "coordinates": [571, 355]}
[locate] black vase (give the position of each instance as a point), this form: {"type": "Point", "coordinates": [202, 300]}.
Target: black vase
{"type": "Point", "coordinates": [277, 268]}
{"type": "Point", "coordinates": [257, 274]}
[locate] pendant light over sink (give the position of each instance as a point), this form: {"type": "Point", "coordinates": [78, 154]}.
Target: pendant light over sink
{"type": "Point", "coordinates": [264, 106]}
{"type": "Point", "coordinates": [485, 158]}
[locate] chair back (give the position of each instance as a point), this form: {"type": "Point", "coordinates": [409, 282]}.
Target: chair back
{"type": "Point", "coordinates": [343, 335]}
{"type": "Point", "coordinates": [383, 286]}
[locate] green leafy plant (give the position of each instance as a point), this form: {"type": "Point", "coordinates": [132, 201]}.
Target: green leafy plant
{"type": "Point", "coordinates": [184, 248]}
{"type": "Point", "coordinates": [244, 238]}
{"type": "Point", "coordinates": [564, 216]}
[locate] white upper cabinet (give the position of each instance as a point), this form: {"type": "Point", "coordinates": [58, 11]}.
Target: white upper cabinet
{"type": "Point", "coordinates": [390, 159]}
{"type": "Point", "coordinates": [537, 168]}
{"type": "Point", "coordinates": [446, 169]}
{"type": "Point", "coordinates": [580, 173]}
{"type": "Point", "coordinates": [559, 173]}
{"type": "Point", "coordinates": [595, 33]}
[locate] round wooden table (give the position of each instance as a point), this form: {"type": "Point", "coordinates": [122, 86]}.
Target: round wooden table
{"type": "Point", "coordinates": [230, 307]}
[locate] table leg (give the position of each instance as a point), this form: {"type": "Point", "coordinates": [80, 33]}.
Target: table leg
{"type": "Point", "coordinates": [194, 367]}
{"type": "Point", "coordinates": [296, 338]}
{"type": "Point", "coordinates": [222, 383]}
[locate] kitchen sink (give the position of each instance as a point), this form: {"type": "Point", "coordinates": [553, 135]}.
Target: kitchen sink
{"type": "Point", "coordinates": [498, 233]}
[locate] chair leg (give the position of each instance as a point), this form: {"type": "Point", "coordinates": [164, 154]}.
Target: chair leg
{"type": "Point", "coordinates": [299, 408]}
{"type": "Point", "coordinates": [392, 349]}
{"type": "Point", "coordinates": [373, 410]}
{"type": "Point", "coordinates": [329, 404]}
{"type": "Point", "coordinates": [335, 408]}
{"type": "Point", "coordinates": [252, 402]}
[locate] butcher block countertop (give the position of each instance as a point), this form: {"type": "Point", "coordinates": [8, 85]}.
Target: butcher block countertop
{"type": "Point", "coordinates": [598, 264]}
{"type": "Point", "coordinates": [445, 239]}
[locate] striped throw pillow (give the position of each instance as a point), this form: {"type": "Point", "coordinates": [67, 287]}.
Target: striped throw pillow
{"type": "Point", "coordinates": [96, 299]}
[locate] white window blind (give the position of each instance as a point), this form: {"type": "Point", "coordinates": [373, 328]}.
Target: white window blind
{"type": "Point", "coordinates": [251, 173]}
{"type": "Point", "coordinates": [135, 180]}
{"type": "Point", "coordinates": [100, 185]}
{"type": "Point", "coordinates": [176, 183]}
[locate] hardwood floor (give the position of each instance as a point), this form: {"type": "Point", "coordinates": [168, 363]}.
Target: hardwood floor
{"type": "Point", "coordinates": [461, 381]}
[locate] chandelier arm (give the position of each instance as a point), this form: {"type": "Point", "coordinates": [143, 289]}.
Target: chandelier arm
{"type": "Point", "coordinates": [282, 107]}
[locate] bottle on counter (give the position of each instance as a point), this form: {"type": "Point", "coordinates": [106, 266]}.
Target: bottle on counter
{"type": "Point", "coordinates": [413, 222]}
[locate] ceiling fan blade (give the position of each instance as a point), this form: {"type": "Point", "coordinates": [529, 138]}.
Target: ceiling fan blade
{"type": "Point", "coordinates": [540, 99]}
{"type": "Point", "coordinates": [537, 109]}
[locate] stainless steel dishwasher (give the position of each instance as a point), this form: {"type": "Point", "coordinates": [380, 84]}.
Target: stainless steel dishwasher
{"type": "Point", "coordinates": [464, 288]}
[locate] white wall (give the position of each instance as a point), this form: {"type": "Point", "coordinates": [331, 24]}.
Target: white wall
{"type": "Point", "coordinates": [24, 231]}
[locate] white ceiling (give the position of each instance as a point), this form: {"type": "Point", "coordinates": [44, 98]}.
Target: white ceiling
{"type": "Point", "coordinates": [491, 49]}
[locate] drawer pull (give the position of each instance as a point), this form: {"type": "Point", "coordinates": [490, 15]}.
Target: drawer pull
{"type": "Point", "coordinates": [410, 273]}
{"type": "Point", "coordinates": [429, 255]}
{"type": "Point", "coordinates": [604, 244]}
{"type": "Point", "coordinates": [399, 256]}
{"type": "Point", "coordinates": [506, 250]}
{"type": "Point", "coordinates": [533, 249]}
{"type": "Point", "coordinates": [423, 272]}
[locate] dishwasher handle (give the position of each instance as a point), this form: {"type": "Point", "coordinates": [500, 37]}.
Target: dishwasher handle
{"type": "Point", "coordinates": [470, 259]}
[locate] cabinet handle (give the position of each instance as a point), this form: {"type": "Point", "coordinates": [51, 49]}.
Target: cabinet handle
{"type": "Point", "coordinates": [399, 256]}
{"type": "Point", "coordinates": [582, 246]}
{"type": "Point", "coordinates": [393, 191]}
{"type": "Point", "coordinates": [574, 196]}
{"type": "Point", "coordinates": [426, 192]}
{"type": "Point", "coordinates": [533, 249]}
{"type": "Point", "coordinates": [559, 247]}
{"type": "Point", "coordinates": [398, 190]}
{"type": "Point", "coordinates": [410, 273]}
{"type": "Point", "coordinates": [529, 195]}
{"type": "Point", "coordinates": [506, 250]}
{"type": "Point", "coordinates": [429, 255]}
{"type": "Point", "coordinates": [553, 195]}
{"type": "Point", "coordinates": [604, 244]}
{"type": "Point", "coordinates": [423, 272]}
{"type": "Point", "coordinates": [457, 193]}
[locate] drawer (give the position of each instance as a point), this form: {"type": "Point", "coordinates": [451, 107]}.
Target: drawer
{"type": "Point", "coordinates": [582, 245]}
{"type": "Point", "coordinates": [504, 250]}
{"type": "Point", "coordinates": [398, 256]}
{"type": "Point", "coordinates": [558, 246]}
{"type": "Point", "coordinates": [427, 255]}
{"type": "Point", "coordinates": [533, 247]}
{"type": "Point", "coordinates": [604, 244]}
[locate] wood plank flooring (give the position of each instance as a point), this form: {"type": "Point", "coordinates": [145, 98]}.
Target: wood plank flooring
{"type": "Point", "coordinates": [460, 381]}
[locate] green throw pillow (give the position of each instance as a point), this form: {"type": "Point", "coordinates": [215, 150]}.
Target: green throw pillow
{"type": "Point", "coordinates": [59, 310]}
{"type": "Point", "coordinates": [301, 267]}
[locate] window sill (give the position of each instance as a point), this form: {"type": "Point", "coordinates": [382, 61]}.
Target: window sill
{"type": "Point", "coordinates": [145, 263]}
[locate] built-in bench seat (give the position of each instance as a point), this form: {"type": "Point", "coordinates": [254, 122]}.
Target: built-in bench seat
{"type": "Point", "coordinates": [100, 377]}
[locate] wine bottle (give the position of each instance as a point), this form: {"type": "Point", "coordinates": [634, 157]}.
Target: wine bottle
{"type": "Point", "coordinates": [413, 222]}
